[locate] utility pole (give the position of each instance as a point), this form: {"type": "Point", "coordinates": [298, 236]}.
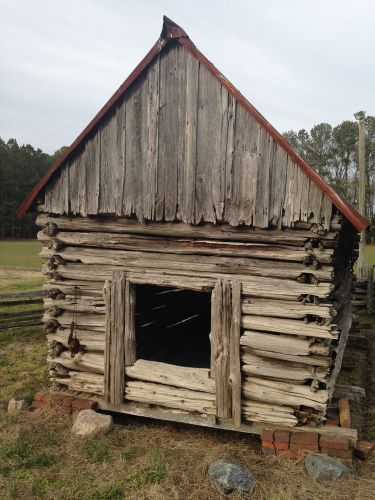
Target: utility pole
{"type": "Point", "coordinates": [360, 117]}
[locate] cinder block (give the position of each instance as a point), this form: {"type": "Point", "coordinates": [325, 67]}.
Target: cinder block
{"type": "Point", "coordinates": [334, 443]}
{"type": "Point", "coordinates": [311, 438]}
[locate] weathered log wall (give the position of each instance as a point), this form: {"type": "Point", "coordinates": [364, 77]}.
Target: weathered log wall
{"type": "Point", "coordinates": [292, 314]}
{"type": "Point", "coordinates": [178, 147]}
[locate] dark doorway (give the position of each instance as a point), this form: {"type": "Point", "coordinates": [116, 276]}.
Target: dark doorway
{"type": "Point", "coordinates": [173, 325]}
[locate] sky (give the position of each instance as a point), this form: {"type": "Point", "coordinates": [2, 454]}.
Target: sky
{"type": "Point", "coordinates": [299, 62]}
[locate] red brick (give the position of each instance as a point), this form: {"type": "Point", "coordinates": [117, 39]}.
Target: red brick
{"type": "Point", "coordinates": [334, 443]}
{"type": "Point", "coordinates": [282, 436]}
{"type": "Point", "coordinates": [311, 438]}
{"type": "Point", "coordinates": [281, 446]}
{"type": "Point", "coordinates": [290, 453]}
{"type": "Point", "coordinates": [67, 402]}
{"type": "Point", "coordinates": [268, 451]}
{"type": "Point", "coordinates": [40, 404]}
{"type": "Point", "coordinates": [363, 449]}
{"type": "Point", "coordinates": [56, 398]}
{"type": "Point", "coordinates": [304, 447]}
{"type": "Point", "coordinates": [53, 404]}
{"type": "Point", "coordinates": [84, 404]}
{"type": "Point", "coordinates": [267, 444]}
{"type": "Point", "coordinates": [267, 434]}
{"type": "Point", "coordinates": [337, 453]}
{"type": "Point", "coordinates": [39, 396]}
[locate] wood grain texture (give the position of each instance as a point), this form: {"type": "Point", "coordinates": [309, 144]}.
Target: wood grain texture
{"type": "Point", "coordinates": [178, 147]}
{"type": "Point", "coordinates": [208, 176]}
{"type": "Point", "coordinates": [234, 353]}
{"type": "Point", "coordinates": [114, 354]}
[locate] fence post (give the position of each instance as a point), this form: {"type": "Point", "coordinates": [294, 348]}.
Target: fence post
{"type": "Point", "coordinates": [370, 288]}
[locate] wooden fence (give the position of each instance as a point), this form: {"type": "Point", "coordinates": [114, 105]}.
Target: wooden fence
{"type": "Point", "coordinates": [11, 315]}
{"type": "Point", "coordinates": [363, 291]}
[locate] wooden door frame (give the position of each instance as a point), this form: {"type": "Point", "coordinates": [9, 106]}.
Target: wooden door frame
{"type": "Point", "coordinates": [120, 345]}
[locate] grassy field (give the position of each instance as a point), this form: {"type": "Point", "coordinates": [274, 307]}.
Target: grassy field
{"type": "Point", "coordinates": [16, 254]}
{"type": "Point", "coordinates": [139, 459]}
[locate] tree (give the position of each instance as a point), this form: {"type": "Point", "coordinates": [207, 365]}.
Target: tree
{"type": "Point", "coordinates": [21, 167]}
{"type": "Point", "coordinates": [333, 152]}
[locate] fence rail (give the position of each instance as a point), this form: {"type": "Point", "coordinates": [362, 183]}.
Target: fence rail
{"type": "Point", "coordinates": [363, 291]}
{"type": "Point", "coordinates": [12, 318]}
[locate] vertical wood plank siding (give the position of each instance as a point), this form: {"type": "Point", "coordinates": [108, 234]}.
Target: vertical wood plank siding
{"type": "Point", "coordinates": [179, 148]}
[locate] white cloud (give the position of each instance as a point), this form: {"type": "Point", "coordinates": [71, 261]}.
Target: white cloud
{"type": "Point", "coordinates": [299, 63]}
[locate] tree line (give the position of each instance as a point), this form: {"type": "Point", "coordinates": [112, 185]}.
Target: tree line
{"type": "Point", "coordinates": [332, 151]}
{"type": "Point", "coordinates": [21, 167]}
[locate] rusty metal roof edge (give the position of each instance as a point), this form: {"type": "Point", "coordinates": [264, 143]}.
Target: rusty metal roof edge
{"type": "Point", "coordinates": [172, 31]}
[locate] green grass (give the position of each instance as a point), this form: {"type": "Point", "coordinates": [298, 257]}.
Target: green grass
{"type": "Point", "coordinates": [15, 254]}
{"type": "Point", "coordinates": [24, 454]}
{"type": "Point", "coordinates": [23, 350]}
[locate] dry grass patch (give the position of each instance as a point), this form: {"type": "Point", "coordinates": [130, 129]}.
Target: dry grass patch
{"type": "Point", "coordinates": [23, 367]}
{"type": "Point", "coordinates": [138, 460]}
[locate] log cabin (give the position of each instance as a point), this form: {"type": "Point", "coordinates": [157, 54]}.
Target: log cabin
{"type": "Point", "coordinates": [197, 269]}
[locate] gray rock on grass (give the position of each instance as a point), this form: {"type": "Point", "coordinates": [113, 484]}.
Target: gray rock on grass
{"type": "Point", "coordinates": [17, 405]}
{"type": "Point", "coordinates": [90, 423]}
{"type": "Point", "coordinates": [230, 476]}
{"type": "Point", "coordinates": [322, 468]}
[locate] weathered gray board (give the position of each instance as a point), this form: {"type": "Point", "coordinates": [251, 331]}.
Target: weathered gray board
{"type": "Point", "coordinates": [178, 147]}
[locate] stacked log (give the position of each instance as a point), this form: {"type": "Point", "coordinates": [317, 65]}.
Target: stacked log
{"type": "Point", "coordinates": [293, 316]}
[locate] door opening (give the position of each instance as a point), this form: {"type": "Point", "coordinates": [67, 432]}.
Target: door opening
{"type": "Point", "coordinates": [172, 325]}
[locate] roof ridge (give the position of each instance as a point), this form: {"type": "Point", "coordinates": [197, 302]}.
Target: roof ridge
{"type": "Point", "coordinates": [171, 29]}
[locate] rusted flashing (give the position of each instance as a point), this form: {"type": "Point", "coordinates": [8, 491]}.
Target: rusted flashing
{"type": "Point", "coordinates": [172, 31]}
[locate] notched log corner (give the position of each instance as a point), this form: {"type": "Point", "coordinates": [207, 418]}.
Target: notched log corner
{"type": "Point", "coordinates": [51, 326]}
{"type": "Point", "coordinates": [51, 229]}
